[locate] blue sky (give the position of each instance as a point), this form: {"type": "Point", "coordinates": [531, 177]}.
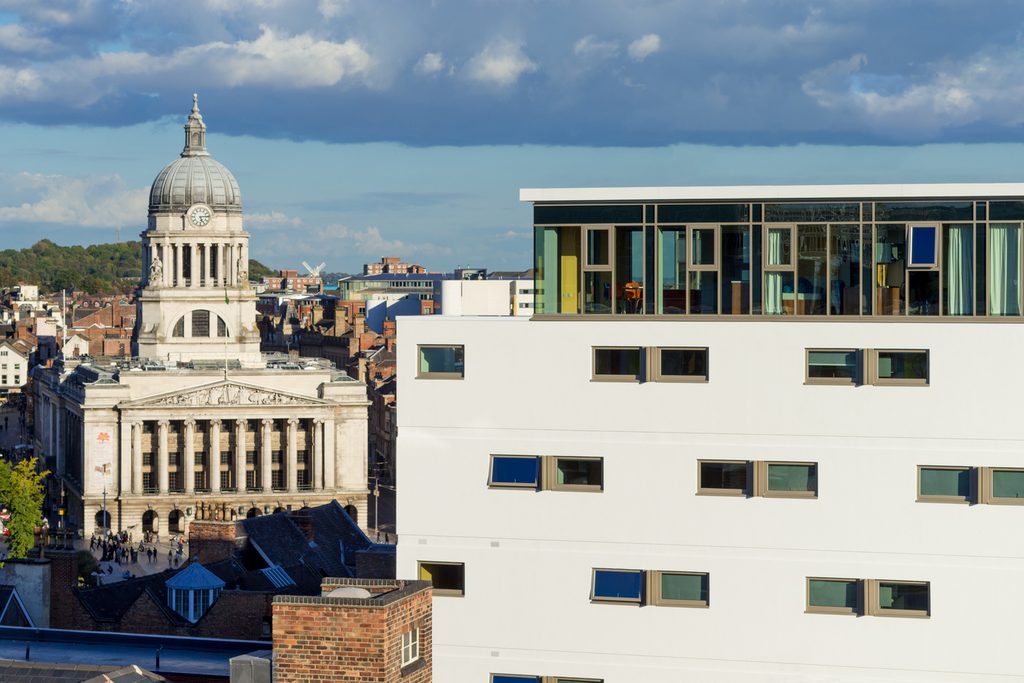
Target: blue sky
{"type": "Point", "coordinates": [358, 129]}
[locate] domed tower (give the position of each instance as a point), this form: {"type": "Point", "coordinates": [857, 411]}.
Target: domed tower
{"type": "Point", "coordinates": [195, 301]}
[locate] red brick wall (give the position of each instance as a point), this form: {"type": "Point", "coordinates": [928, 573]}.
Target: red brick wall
{"type": "Point", "coordinates": [63, 581]}
{"type": "Point", "coordinates": [211, 541]}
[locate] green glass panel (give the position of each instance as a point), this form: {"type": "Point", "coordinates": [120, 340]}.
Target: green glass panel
{"type": "Point", "coordinates": [833, 593]}
{"type": "Point", "coordinates": [842, 364]}
{"type": "Point", "coordinates": [447, 359]}
{"type": "Point", "coordinates": [1007, 484]}
{"type": "Point", "coordinates": [791, 477]}
{"type": "Point", "coordinates": [903, 596]}
{"type": "Point", "coordinates": [902, 365]}
{"type": "Point", "coordinates": [942, 482]}
{"type": "Point", "coordinates": [684, 587]}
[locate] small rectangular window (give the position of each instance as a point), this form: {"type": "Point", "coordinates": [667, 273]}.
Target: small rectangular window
{"type": "Point", "coordinates": [598, 251]}
{"type": "Point", "coordinates": [832, 366]}
{"type": "Point", "coordinates": [900, 367]}
{"type": "Point", "coordinates": [574, 474]}
{"type": "Point", "coordinates": [941, 484]}
{"type": "Point", "coordinates": [617, 586]}
{"type": "Point", "coordinates": [514, 678]}
{"type": "Point", "coordinates": [678, 589]}
{"type": "Point", "coordinates": [789, 479]}
{"type": "Point", "coordinates": [723, 477]}
{"type": "Point", "coordinates": [1006, 486]}
{"type": "Point", "coordinates": [617, 364]}
{"type": "Point", "coordinates": [448, 578]}
{"type": "Point", "coordinates": [834, 596]}
{"type": "Point", "coordinates": [410, 646]}
{"type": "Point", "coordinates": [514, 472]}
{"type": "Point", "coordinates": [924, 246]}
{"type": "Point", "coordinates": [703, 247]}
{"type": "Point", "coordinates": [437, 361]}
{"type": "Point", "coordinates": [900, 598]}
{"type": "Point", "coordinates": [680, 364]}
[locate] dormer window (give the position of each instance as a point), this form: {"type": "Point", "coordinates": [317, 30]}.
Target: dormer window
{"type": "Point", "coordinates": [192, 591]}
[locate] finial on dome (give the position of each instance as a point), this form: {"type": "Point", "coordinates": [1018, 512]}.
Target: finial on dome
{"type": "Point", "coordinates": [195, 132]}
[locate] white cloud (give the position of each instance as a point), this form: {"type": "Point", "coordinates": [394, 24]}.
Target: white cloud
{"type": "Point", "coordinates": [291, 62]}
{"type": "Point", "coordinates": [332, 9]}
{"type": "Point", "coordinates": [272, 218]}
{"type": "Point", "coordinates": [90, 201]}
{"type": "Point", "coordinates": [16, 38]}
{"type": "Point", "coordinates": [644, 46]}
{"type": "Point", "coordinates": [500, 63]}
{"type": "Point", "coordinates": [589, 47]}
{"type": "Point", "coordinates": [430, 63]}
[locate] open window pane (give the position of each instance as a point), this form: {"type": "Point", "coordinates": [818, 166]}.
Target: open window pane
{"type": "Point", "coordinates": [728, 477]}
{"type": "Point", "coordinates": [702, 246]}
{"type": "Point", "coordinates": [941, 482]}
{"type": "Point", "coordinates": [832, 595]}
{"type": "Point", "coordinates": [448, 578]}
{"type": "Point", "coordinates": [617, 585]}
{"type": "Point", "coordinates": [779, 250]}
{"type": "Point", "coordinates": [829, 364]}
{"type": "Point", "coordinates": [614, 363]}
{"type": "Point", "coordinates": [442, 361]}
{"type": "Point", "coordinates": [1008, 483]}
{"type": "Point", "coordinates": [597, 248]}
{"type": "Point", "coordinates": [792, 477]}
{"type": "Point", "coordinates": [924, 245]}
{"type": "Point", "coordinates": [514, 471]}
{"type": "Point", "coordinates": [684, 587]}
{"type": "Point", "coordinates": [905, 597]}
{"type": "Point", "coordinates": [511, 678]}
{"type": "Point", "coordinates": [682, 364]}
{"type": "Point", "coordinates": [902, 366]}
{"type": "Point", "coordinates": [584, 472]}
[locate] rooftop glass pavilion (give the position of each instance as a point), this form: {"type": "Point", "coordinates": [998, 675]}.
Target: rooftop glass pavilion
{"type": "Point", "coordinates": [945, 250]}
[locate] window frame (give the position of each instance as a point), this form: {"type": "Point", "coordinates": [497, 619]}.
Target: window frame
{"type": "Point", "coordinates": [956, 500]}
{"type": "Point", "coordinates": [936, 255]}
{"type": "Point", "coordinates": [636, 379]}
{"type": "Point", "coordinates": [872, 588]}
{"type": "Point", "coordinates": [654, 363]}
{"type": "Point", "coordinates": [778, 267]}
{"type": "Point", "coordinates": [525, 677]}
{"type": "Point", "coordinates": [856, 610]}
{"type": "Point", "coordinates": [690, 251]}
{"type": "Point", "coordinates": [595, 599]}
{"type": "Point", "coordinates": [899, 382]}
{"type": "Point", "coordinates": [654, 596]}
{"type": "Point", "coordinates": [585, 230]}
{"type": "Point", "coordinates": [745, 492]}
{"type": "Point", "coordinates": [412, 646]}
{"type": "Point", "coordinates": [858, 370]}
{"type": "Point", "coordinates": [761, 468]}
{"type": "Point", "coordinates": [987, 486]}
{"type": "Point", "coordinates": [537, 485]}
{"type": "Point", "coordinates": [420, 374]}
{"type": "Point", "coordinates": [447, 592]}
{"type": "Point", "coordinates": [549, 474]}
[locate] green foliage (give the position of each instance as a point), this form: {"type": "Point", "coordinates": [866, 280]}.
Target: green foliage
{"type": "Point", "coordinates": [96, 269]}
{"type": "Point", "coordinates": [87, 564]}
{"type": "Point", "coordinates": [21, 492]}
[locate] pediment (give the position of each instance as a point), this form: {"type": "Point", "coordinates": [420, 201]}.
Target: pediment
{"type": "Point", "coordinates": [224, 393]}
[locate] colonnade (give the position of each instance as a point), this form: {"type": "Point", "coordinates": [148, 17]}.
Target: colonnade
{"type": "Point", "coordinates": [210, 263]}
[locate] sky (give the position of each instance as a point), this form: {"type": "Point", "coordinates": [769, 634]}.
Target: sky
{"type": "Point", "coordinates": [358, 129]}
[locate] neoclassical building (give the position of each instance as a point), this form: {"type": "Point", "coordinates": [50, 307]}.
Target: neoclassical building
{"type": "Point", "coordinates": [198, 424]}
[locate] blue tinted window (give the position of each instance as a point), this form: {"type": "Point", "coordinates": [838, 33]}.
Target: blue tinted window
{"type": "Point", "coordinates": [622, 585]}
{"type": "Point", "coordinates": [922, 245]}
{"type": "Point", "coordinates": [514, 470]}
{"type": "Point", "coordinates": [504, 678]}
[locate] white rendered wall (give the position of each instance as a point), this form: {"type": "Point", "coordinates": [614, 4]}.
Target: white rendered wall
{"type": "Point", "coordinates": [529, 555]}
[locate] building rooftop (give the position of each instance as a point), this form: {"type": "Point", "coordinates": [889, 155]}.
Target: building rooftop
{"type": "Point", "coordinates": [778, 192]}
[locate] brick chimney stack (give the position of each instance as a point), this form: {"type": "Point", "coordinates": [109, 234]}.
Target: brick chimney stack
{"type": "Point", "coordinates": [304, 521]}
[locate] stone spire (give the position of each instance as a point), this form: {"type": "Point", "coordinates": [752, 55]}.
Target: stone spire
{"type": "Point", "coordinates": [195, 132]}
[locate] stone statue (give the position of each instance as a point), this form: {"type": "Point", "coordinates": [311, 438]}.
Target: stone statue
{"type": "Point", "coordinates": [243, 272]}
{"type": "Point", "coordinates": [156, 272]}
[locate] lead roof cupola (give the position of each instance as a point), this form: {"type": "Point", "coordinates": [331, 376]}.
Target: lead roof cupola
{"type": "Point", "coordinates": [195, 178]}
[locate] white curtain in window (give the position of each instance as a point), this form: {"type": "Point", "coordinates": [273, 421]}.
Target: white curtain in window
{"type": "Point", "coordinates": [1004, 269]}
{"type": "Point", "coordinates": [773, 281]}
{"type": "Point", "coordinates": [959, 260]}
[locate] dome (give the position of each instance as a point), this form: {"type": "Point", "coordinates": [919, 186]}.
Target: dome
{"type": "Point", "coordinates": [195, 178]}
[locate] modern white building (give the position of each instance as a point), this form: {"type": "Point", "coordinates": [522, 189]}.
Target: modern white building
{"type": "Point", "coordinates": [14, 362]}
{"type": "Point", "coordinates": [752, 434]}
{"type": "Point", "coordinates": [198, 424]}
{"type": "Point", "coordinates": [485, 297]}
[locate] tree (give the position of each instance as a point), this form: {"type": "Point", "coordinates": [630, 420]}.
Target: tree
{"type": "Point", "coordinates": [21, 492]}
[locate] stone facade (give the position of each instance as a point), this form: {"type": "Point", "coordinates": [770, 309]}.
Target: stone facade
{"type": "Point", "coordinates": [350, 639]}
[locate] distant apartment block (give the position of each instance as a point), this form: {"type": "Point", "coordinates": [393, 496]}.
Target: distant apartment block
{"type": "Point", "coordinates": [391, 264]}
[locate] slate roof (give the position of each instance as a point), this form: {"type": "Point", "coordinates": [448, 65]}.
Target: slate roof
{"type": "Point", "coordinates": [194, 577]}
{"type": "Point", "coordinates": [41, 672]}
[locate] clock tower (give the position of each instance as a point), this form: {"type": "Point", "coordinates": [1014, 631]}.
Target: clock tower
{"type": "Point", "coordinates": [195, 301]}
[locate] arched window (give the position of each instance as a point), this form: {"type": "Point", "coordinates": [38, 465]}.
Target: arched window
{"type": "Point", "coordinates": [179, 328]}
{"type": "Point", "coordinates": [222, 327]}
{"type": "Point", "coordinates": [200, 323]}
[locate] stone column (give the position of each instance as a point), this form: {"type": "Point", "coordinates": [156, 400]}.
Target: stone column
{"type": "Point", "coordinates": [213, 468]}
{"type": "Point", "coordinates": [330, 476]}
{"type": "Point", "coordinates": [137, 458]}
{"type": "Point", "coordinates": [190, 456]}
{"type": "Point", "coordinates": [293, 455]}
{"type": "Point", "coordinates": [318, 454]}
{"type": "Point", "coordinates": [194, 264]}
{"type": "Point", "coordinates": [229, 265]}
{"type": "Point", "coordinates": [208, 262]}
{"type": "Point", "coordinates": [168, 262]}
{"type": "Point", "coordinates": [265, 476]}
{"type": "Point", "coordinates": [161, 464]}
{"type": "Point", "coordinates": [240, 455]}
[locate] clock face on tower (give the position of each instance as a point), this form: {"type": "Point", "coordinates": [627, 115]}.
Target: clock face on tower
{"type": "Point", "coordinates": [199, 216]}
